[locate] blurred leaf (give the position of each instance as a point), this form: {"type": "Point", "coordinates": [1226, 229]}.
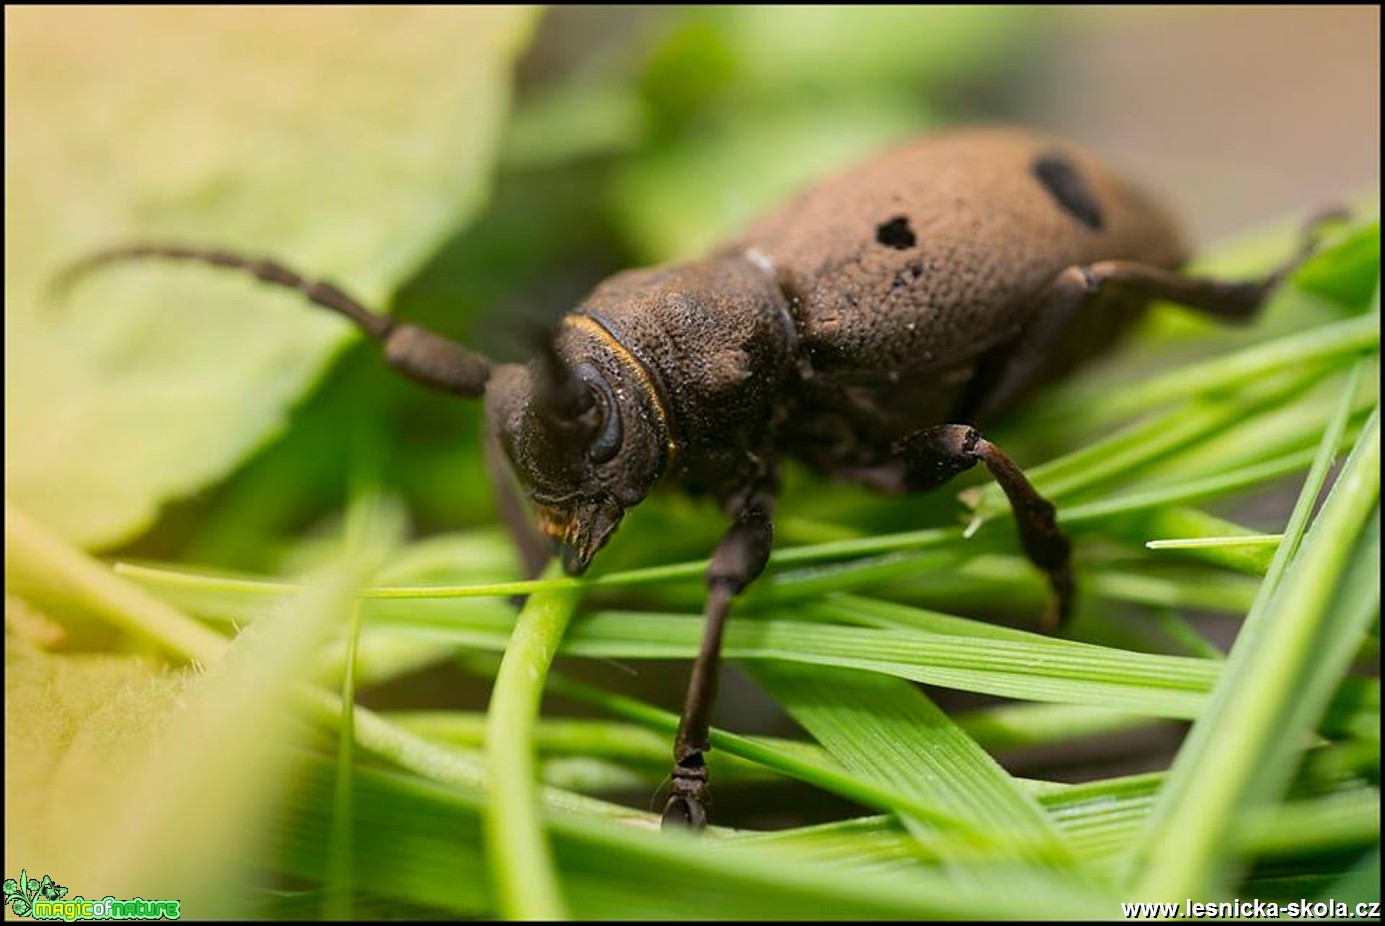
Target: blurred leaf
{"type": "Point", "coordinates": [72, 724]}
{"type": "Point", "coordinates": [144, 779]}
{"type": "Point", "coordinates": [680, 200]}
{"type": "Point", "coordinates": [1348, 272]}
{"type": "Point", "coordinates": [749, 103]}
{"type": "Point", "coordinates": [819, 47]}
{"type": "Point", "coordinates": [187, 826]}
{"type": "Point", "coordinates": [346, 143]}
{"type": "Point", "coordinates": [572, 120]}
{"type": "Point", "coordinates": [690, 67]}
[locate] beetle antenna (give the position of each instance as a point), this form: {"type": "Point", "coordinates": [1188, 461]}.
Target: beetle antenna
{"type": "Point", "coordinates": [419, 354]}
{"type": "Point", "coordinates": [562, 398]}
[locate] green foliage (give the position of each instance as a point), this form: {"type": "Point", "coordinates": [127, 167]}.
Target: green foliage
{"type": "Point", "coordinates": [216, 693]}
{"type": "Point", "coordinates": [247, 137]}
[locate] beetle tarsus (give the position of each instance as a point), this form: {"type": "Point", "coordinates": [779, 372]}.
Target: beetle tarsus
{"type": "Point", "coordinates": [1309, 240]}
{"type": "Point", "coordinates": [687, 805]}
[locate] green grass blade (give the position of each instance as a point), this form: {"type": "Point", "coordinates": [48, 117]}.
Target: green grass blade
{"type": "Point", "coordinates": [521, 866]}
{"type": "Point", "coordinates": [1158, 439]}
{"type": "Point", "coordinates": [609, 869]}
{"type": "Point", "coordinates": [362, 528]}
{"type": "Point", "coordinates": [224, 754]}
{"type": "Point", "coordinates": [1193, 543]}
{"type": "Point", "coordinates": [886, 729]}
{"type": "Point", "coordinates": [1237, 752]}
{"type": "Point", "coordinates": [1015, 726]}
{"type": "Point", "coordinates": [1033, 667]}
{"type": "Point", "coordinates": [802, 761]}
{"type": "Point", "coordinates": [39, 564]}
{"type": "Point", "coordinates": [1325, 344]}
{"type": "Point", "coordinates": [1181, 521]}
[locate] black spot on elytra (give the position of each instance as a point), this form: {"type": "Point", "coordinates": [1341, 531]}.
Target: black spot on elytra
{"type": "Point", "coordinates": [896, 234]}
{"type": "Point", "coordinates": [1062, 181]}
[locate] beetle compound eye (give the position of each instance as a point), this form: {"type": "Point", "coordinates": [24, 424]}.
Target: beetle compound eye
{"type": "Point", "coordinates": [609, 434]}
{"type": "Point", "coordinates": [609, 438]}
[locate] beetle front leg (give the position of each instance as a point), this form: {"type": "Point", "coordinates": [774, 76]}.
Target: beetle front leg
{"type": "Point", "coordinates": [934, 455]}
{"type": "Point", "coordinates": [738, 559]}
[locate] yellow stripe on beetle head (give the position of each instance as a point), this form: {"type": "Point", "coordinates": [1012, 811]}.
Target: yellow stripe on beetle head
{"type": "Point", "coordinates": [632, 363]}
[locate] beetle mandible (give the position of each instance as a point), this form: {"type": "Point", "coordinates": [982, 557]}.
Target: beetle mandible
{"type": "Point", "coordinates": [867, 327]}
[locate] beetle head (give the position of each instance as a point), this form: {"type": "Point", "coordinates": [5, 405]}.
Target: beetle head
{"type": "Point", "coordinates": [584, 434]}
{"type": "Point", "coordinates": [581, 424]}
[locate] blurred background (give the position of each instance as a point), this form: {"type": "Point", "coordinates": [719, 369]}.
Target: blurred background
{"type": "Point", "coordinates": [473, 170]}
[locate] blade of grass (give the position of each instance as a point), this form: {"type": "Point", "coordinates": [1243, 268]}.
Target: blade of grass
{"type": "Point", "coordinates": [984, 580]}
{"type": "Point", "coordinates": [108, 596]}
{"type": "Point", "coordinates": [184, 826]}
{"type": "Point", "coordinates": [1036, 668]}
{"type": "Point", "coordinates": [609, 870]}
{"type": "Point", "coordinates": [973, 576]}
{"type": "Point", "coordinates": [1178, 629]}
{"type": "Point", "coordinates": [886, 729]}
{"type": "Point", "coordinates": [1335, 822]}
{"type": "Point", "coordinates": [1185, 492]}
{"type": "Point", "coordinates": [458, 769]}
{"type": "Point", "coordinates": [231, 594]}
{"type": "Point", "coordinates": [1099, 818]}
{"type": "Point", "coordinates": [1135, 447]}
{"type": "Point", "coordinates": [38, 563]}
{"type": "Point", "coordinates": [1191, 522]}
{"type": "Point", "coordinates": [625, 744]}
{"type": "Point", "coordinates": [1295, 426]}
{"type": "Point", "coordinates": [521, 865]}
{"type": "Point", "coordinates": [362, 526]}
{"type": "Point", "coordinates": [1192, 543]}
{"type": "Point", "coordinates": [1015, 726]}
{"type": "Point", "coordinates": [1236, 752]}
{"type": "Point", "coordinates": [801, 761]}
{"type": "Point", "coordinates": [1322, 345]}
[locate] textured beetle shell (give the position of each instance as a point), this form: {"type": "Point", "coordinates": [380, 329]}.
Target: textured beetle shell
{"type": "Point", "coordinates": [715, 331]}
{"type": "Point", "coordinates": [883, 300]}
{"type": "Point", "coordinates": [988, 236]}
{"type": "Point", "coordinates": [911, 279]}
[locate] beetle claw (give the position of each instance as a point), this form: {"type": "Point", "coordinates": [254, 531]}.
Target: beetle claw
{"type": "Point", "coordinates": [684, 812]}
{"type": "Point", "coordinates": [687, 805]}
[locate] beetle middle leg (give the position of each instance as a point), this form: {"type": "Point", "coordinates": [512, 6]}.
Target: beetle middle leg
{"type": "Point", "coordinates": [934, 455]}
{"type": "Point", "coordinates": [739, 558]}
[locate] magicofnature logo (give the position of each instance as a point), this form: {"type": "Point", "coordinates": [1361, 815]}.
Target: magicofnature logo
{"type": "Point", "coordinates": [47, 900]}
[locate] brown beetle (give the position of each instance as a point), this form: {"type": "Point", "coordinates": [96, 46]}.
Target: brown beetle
{"type": "Point", "coordinates": [865, 328]}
